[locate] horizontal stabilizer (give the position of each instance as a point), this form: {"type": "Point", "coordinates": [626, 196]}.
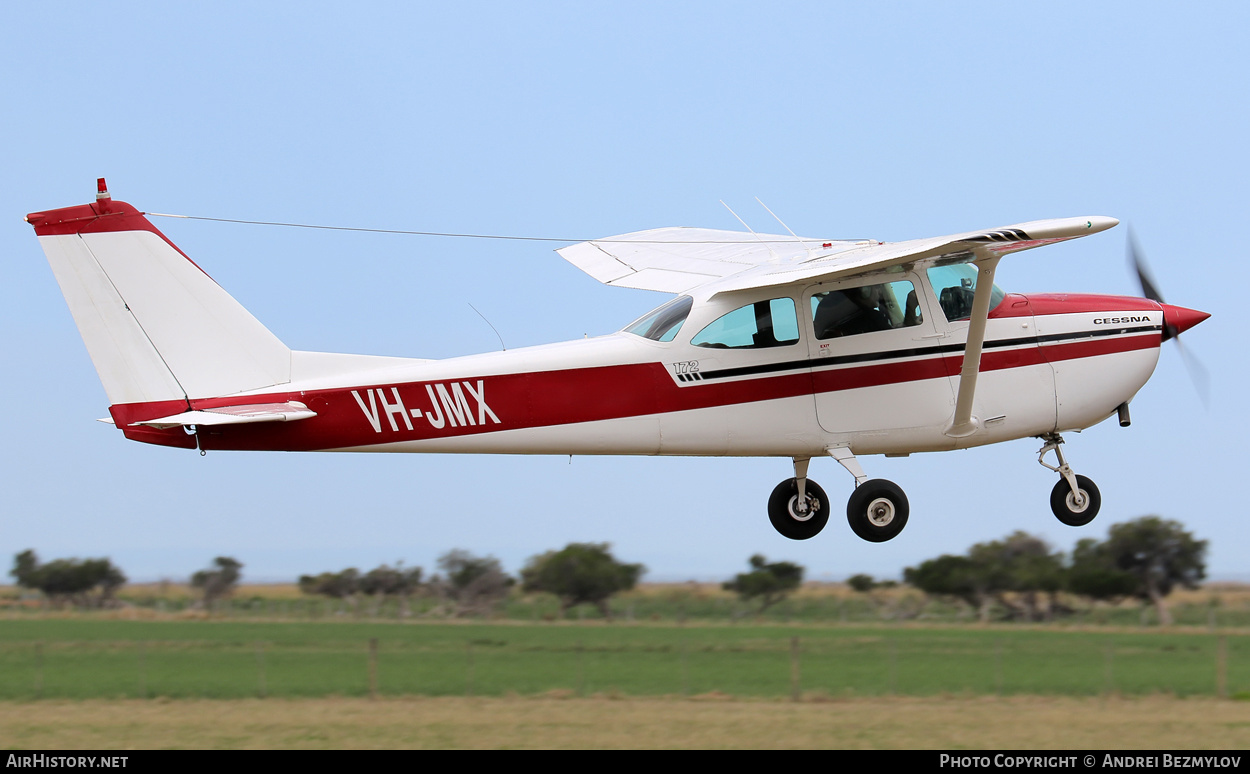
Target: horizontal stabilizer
{"type": "Point", "coordinates": [234, 415]}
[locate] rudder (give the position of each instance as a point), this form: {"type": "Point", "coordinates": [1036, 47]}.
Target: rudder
{"type": "Point", "coordinates": [156, 326]}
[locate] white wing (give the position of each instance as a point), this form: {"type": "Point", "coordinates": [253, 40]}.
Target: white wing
{"type": "Point", "coordinates": [676, 260]}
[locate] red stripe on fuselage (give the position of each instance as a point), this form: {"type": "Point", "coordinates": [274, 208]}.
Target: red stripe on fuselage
{"type": "Point", "coordinates": [1074, 350]}
{"type": "Point", "coordinates": [854, 377]}
{"type": "Point", "coordinates": [539, 399]}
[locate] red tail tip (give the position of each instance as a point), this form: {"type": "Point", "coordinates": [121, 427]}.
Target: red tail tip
{"type": "Point", "coordinates": [101, 189]}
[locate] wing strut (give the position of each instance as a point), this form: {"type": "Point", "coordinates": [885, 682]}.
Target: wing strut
{"type": "Point", "coordinates": [964, 424]}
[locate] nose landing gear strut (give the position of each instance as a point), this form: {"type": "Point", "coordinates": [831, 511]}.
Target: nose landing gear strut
{"type": "Point", "coordinates": [1075, 499]}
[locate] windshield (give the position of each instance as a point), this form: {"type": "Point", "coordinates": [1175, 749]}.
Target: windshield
{"type": "Point", "coordinates": [955, 285]}
{"type": "Point", "coordinates": [662, 324]}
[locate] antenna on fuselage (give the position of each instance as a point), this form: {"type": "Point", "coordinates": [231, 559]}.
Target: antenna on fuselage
{"type": "Point", "coordinates": [493, 328]}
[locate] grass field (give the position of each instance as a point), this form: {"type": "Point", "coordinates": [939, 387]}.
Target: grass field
{"type": "Point", "coordinates": [96, 680]}
{"type": "Point", "coordinates": [1016, 723]}
{"type": "Point", "coordinates": [90, 657]}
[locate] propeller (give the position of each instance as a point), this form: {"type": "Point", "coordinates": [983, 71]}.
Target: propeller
{"type": "Point", "coordinates": [1175, 318]}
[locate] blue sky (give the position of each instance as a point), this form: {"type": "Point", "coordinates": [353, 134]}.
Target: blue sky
{"type": "Point", "coordinates": [884, 120]}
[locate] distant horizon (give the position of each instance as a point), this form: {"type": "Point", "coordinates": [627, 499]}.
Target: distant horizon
{"type": "Point", "coordinates": [663, 580]}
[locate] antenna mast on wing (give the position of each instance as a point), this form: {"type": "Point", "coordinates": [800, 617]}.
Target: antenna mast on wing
{"type": "Point", "coordinates": [748, 228]}
{"type": "Point", "coordinates": [779, 220]}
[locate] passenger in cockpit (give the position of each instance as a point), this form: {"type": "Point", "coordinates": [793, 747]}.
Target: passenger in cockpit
{"type": "Point", "coordinates": [848, 313]}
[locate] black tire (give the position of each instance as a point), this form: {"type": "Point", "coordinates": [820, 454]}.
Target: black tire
{"type": "Point", "coordinates": [787, 520]}
{"type": "Point", "coordinates": [1064, 504]}
{"type": "Point", "coordinates": [877, 510]}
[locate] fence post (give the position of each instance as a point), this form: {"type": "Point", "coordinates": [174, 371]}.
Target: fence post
{"type": "Point", "coordinates": [1109, 683]}
{"type": "Point", "coordinates": [1221, 668]}
{"type": "Point", "coordinates": [794, 669]}
{"type": "Point", "coordinates": [143, 669]}
{"type": "Point", "coordinates": [893, 667]}
{"type": "Point", "coordinates": [685, 671]}
{"type": "Point", "coordinates": [373, 667]}
{"type": "Point", "coordinates": [998, 667]}
{"type": "Point", "coordinates": [260, 668]}
{"type": "Point", "coordinates": [581, 685]}
{"type": "Point", "coordinates": [39, 669]}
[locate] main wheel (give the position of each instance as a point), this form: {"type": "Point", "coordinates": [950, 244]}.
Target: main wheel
{"type": "Point", "coordinates": [877, 510]}
{"type": "Point", "coordinates": [1066, 506]}
{"type": "Point", "coordinates": [795, 520]}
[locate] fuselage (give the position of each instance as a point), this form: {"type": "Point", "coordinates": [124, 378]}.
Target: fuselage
{"type": "Point", "coordinates": [1050, 363]}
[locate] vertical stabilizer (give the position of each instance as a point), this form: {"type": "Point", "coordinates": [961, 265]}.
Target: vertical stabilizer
{"type": "Point", "coordinates": [156, 326]}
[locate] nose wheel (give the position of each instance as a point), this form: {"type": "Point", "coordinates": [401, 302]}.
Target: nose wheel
{"type": "Point", "coordinates": [1076, 509]}
{"type": "Point", "coordinates": [1075, 500]}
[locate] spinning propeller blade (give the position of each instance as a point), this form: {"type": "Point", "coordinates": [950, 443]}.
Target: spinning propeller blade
{"type": "Point", "coordinates": [1175, 318]}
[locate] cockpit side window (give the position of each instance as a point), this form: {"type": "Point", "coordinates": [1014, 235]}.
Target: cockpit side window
{"type": "Point", "coordinates": [754, 326]}
{"type": "Point", "coordinates": [662, 324]}
{"type": "Point", "coordinates": [865, 309]}
{"type": "Point", "coordinates": [955, 285]}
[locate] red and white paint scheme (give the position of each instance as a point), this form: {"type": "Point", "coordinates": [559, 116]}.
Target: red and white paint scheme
{"type": "Point", "coordinates": [774, 346]}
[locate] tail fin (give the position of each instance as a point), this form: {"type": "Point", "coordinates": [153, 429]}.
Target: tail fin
{"type": "Point", "coordinates": [156, 326]}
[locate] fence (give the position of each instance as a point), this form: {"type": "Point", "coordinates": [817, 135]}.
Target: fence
{"type": "Point", "coordinates": [241, 660]}
{"type": "Point", "coordinates": [1217, 611]}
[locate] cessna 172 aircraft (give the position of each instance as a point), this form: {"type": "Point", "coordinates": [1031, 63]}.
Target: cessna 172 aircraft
{"type": "Point", "coordinates": [775, 345]}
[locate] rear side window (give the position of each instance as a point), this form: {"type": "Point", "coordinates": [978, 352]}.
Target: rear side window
{"type": "Point", "coordinates": [754, 326]}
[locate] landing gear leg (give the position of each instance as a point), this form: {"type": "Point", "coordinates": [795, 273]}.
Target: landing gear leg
{"type": "Point", "coordinates": [798, 508]}
{"type": "Point", "coordinates": [878, 509]}
{"type": "Point", "coordinates": [1075, 500]}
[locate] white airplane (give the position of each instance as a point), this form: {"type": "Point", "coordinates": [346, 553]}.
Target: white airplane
{"type": "Point", "coordinates": [776, 346]}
